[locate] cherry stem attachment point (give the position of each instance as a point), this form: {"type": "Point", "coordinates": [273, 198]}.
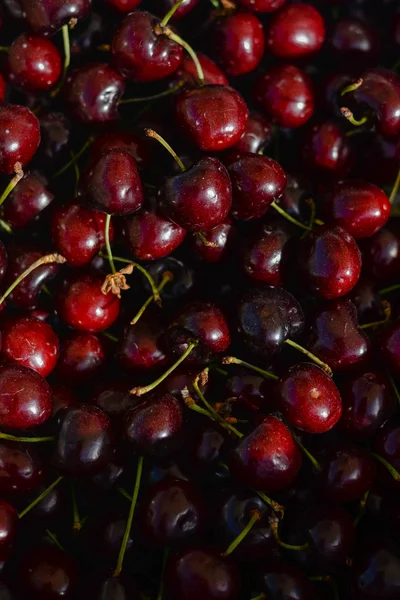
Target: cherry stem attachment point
{"type": "Point", "coordinates": [394, 473]}
{"type": "Point", "coordinates": [311, 356]}
{"type": "Point", "coordinates": [167, 277]}
{"type": "Point", "coordinates": [352, 87]}
{"type": "Point", "coordinates": [277, 508]}
{"type": "Point", "coordinates": [128, 527]}
{"type": "Point", "coordinates": [205, 241]}
{"type": "Point", "coordinates": [168, 92]}
{"type": "Point", "coordinates": [274, 524]}
{"type": "Point", "coordinates": [39, 498]}
{"type": "Point", "coordinates": [178, 40]}
{"type": "Point", "coordinates": [153, 134]}
{"type": "Point", "coordinates": [310, 457]}
{"type": "Point", "coordinates": [232, 360]}
{"type": "Point", "coordinates": [288, 217]}
{"type": "Point", "coordinates": [16, 179]}
{"type": "Point", "coordinates": [107, 240]}
{"type": "Point", "coordinates": [346, 112]}
{"type": "Point", "coordinates": [74, 159]}
{"type": "Point", "coordinates": [395, 188]}
{"type": "Point", "coordinates": [255, 516]}
{"type": "Point", "coordinates": [26, 440]}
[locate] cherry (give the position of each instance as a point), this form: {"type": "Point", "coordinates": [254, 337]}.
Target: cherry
{"type": "Point", "coordinates": [182, 377]}
{"type": "Point", "coordinates": [82, 358]}
{"type": "Point", "coordinates": [19, 136]}
{"type": "Point", "coordinates": [8, 528]}
{"type": "Point", "coordinates": [368, 301]}
{"type": "Point", "coordinates": [201, 572]}
{"type": "Point", "coordinates": [359, 207]}
{"type": "Point", "coordinates": [381, 254]}
{"type": "Point", "coordinates": [219, 241]}
{"type": "Point", "coordinates": [212, 117]}
{"type": "Point", "coordinates": [256, 136]}
{"type": "Point", "coordinates": [285, 581]}
{"type": "Point", "coordinates": [268, 459]}
{"type": "Point", "coordinates": [256, 182]}
{"type": "Point", "coordinates": [326, 150]}
{"type": "Point", "coordinates": [172, 514]}
{"type": "Point", "coordinates": [47, 17]}
{"type": "Point", "coordinates": [308, 399]}
{"type": "Point", "coordinates": [141, 347]}
{"type": "Point", "coordinates": [50, 508]}
{"type": "Point", "coordinates": [82, 304]}
{"type": "Point", "coordinates": [84, 441]}
{"type": "Point", "coordinates": [62, 397]}
{"type": "Point", "coordinates": [30, 343]}
{"type": "Point", "coordinates": [295, 31]}
{"type": "Point", "coordinates": [182, 279]}
{"type": "Point", "coordinates": [103, 587]}
{"type": "Point", "coordinates": [34, 63]}
{"type": "Point", "coordinates": [250, 390]}
{"type": "Point", "coordinates": [238, 43]}
{"type": "Point", "coordinates": [374, 570]}
{"type": "Point", "coordinates": [121, 140]}
{"type": "Point", "coordinates": [123, 6]}
{"type": "Point", "coordinates": [27, 200]}
{"type": "Point", "coordinates": [389, 346]}
{"type": "Point", "coordinates": [207, 448]}
{"type": "Point", "coordinates": [155, 426]}
{"type": "Point", "coordinates": [336, 338]}
{"type": "Point", "coordinates": [367, 403]}
{"type": "Point", "coordinates": [353, 41]}
{"type": "Point", "coordinates": [21, 469]}
{"type": "Point", "coordinates": [104, 535]}
{"type": "Point", "coordinates": [46, 573]}
{"type": "Point", "coordinates": [184, 9]}
{"type": "Point", "coordinates": [286, 94]}
{"type": "Point", "coordinates": [112, 184]}
{"type": "Point", "coordinates": [93, 92]}
{"type": "Point", "coordinates": [329, 262]}
{"type": "Point", "coordinates": [187, 71]}
{"type": "Point", "coordinates": [140, 53]}
{"type": "Point", "coordinates": [263, 6]}
{"type": "Point", "coordinates": [3, 261]}
{"type": "Point", "coordinates": [55, 131]}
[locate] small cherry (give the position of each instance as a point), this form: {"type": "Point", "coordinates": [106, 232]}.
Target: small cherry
{"type": "Point", "coordinates": [34, 63]}
{"type": "Point", "coordinates": [21, 468]}
{"type": "Point", "coordinates": [113, 398]}
{"type": "Point", "coordinates": [27, 201]}
{"type": "Point", "coordinates": [284, 580]}
{"type": "Point", "coordinates": [353, 41]}
{"type": "Point", "coordinates": [375, 569]}
{"type": "Point", "coordinates": [370, 306]}
{"type": "Point", "coordinates": [123, 6]}
{"type": "Point", "coordinates": [381, 254]}
{"type": "Point", "coordinates": [296, 31]}
{"type": "Point", "coordinates": [82, 358]}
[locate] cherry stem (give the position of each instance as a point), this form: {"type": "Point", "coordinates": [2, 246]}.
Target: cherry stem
{"type": "Point", "coordinates": [75, 158]}
{"type": "Point", "coordinates": [310, 457]}
{"type": "Point", "coordinates": [77, 172]}
{"type": "Point", "coordinates": [77, 524]}
{"type": "Point", "coordinates": [361, 511]}
{"type": "Point", "coordinates": [260, 597]}
{"type": "Point", "coordinates": [178, 40]}
{"type": "Point", "coordinates": [168, 92]}
{"type": "Point", "coordinates": [352, 87]}
{"type": "Point", "coordinates": [139, 391]}
{"type": "Point", "coordinates": [310, 202]}
{"type": "Point", "coordinates": [67, 59]}
{"type": "Point", "coordinates": [111, 337]}
{"type": "Point", "coordinates": [54, 539]}
{"type": "Point", "coordinates": [205, 241]}
{"type": "Point", "coordinates": [288, 217]}
{"type": "Point", "coordinates": [144, 272]}
{"type": "Point", "coordinates": [395, 188]}
{"type": "Point", "coordinates": [128, 528]}
{"type": "Point", "coordinates": [153, 134]}
{"type": "Point", "coordinates": [4, 48]}
{"type": "Point", "coordinates": [167, 277]}
{"type": "Point", "coordinates": [209, 413]}
{"type": "Point", "coordinates": [16, 179]}
{"type": "Point", "coordinates": [278, 508]}
{"type": "Point", "coordinates": [125, 494]}
{"type": "Point", "coordinates": [171, 13]}
{"type": "Point", "coordinates": [394, 473]}
{"type": "Point", "coordinates": [161, 587]}
{"type": "Point", "coordinates": [108, 246]}
{"type": "Point", "coordinates": [274, 524]}
{"type": "Point", "coordinates": [4, 225]}
{"type": "Point", "coordinates": [255, 516]}
{"type": "Point", "coordinates": [232, 360]}
{"type": "Point", "coordinates": [311, 356]}
{"type": "Point", "coordinates": [45, 260]}
{"type": "Point", "coordinates": [389, 289]}
{"type": "Point", "coordinates": [34, 440]}
{"type": "Point", "coordinates": [346, 112]}
{"type": "Point", "coordinates": [40, 498]}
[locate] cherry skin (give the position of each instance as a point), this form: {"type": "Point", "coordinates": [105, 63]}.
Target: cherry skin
{"type": "Point", "coordinates": [286, 94]}
{"type": "Point", "coordinates": [268, 459]}
{"type": "Point", "coordinates": [380, 95]}
{"type": "Point", "coordinates": [112, 184]}
{"type": "Point", "coordinates": [82, 358]}
{"type": "Point", "coordinates": [55, 130]}
{"type": "Point", "coordinates": [256, 182]}
{"type": "Point", "coordinates": [3, 261]}
{"type": "Point", "coordinates": [2, 89]}
{"type": "Point", "coordinates": [185, 8]}
{"type": "Point", "coordinates": [381, 254]}
{"type": "Point", "coordinates": [93, 92]}
{"type": "Point", "coordinates": [359, 207]}
{"type": "Point", "coordinates": [308, 399]}
{"type": "Point", "coordinates": [31, 343]}
{"type": "Point", "coordinates": [367, 299]}
{"type": "Point", "coordinates": [123, 6]}
{"type": "Point", "coordinates": [326, 150]}
{"type": "Point", "coordinates": [374, 571]}
{"type": "Point", "coordinates": [19, 136]}
{"type": "Point", "coordinates": [121, 140]}
{"type": "Point", "coordinates": [283, 580]}
{"type": "Point", "coordinates": [212, 117]}
{"type": "Point", "coordinates": [46, 573]}
{"type": "Point", "coordinates": [141, 347]}
{"type": "Point", "coordinates": [26, 397]}
{"type": "Point", "coordinates": [335, 337]}
{"type": "Point", "coordinates": [329, 262]}
{"type": "Point", "coordinates": [250, 390]}
{"type": "Point", "coordinates": [82, 304]}
{"type": "Point", "coordinates": [221, 237]}
{"type": "Point", "coordinates": [367, 403]}
{"type": "Point", "coordinates": [199, 198]}
{"type": "Point", "coordinates": [389, 345]}
{"type": "Point", "coordinates": [154, 427]}
{"type": "Point", "coordinates": [201, 572]}
{"type": "Point", "coordinates": [84, 442]}
{"type": "Point", "coordinates": [113, 398]}
{"type": "Point", "coordinates": [262, 6]}
{"type": "Point", "coordinates": [47, 17]}
{"type": "Point", "coordinates": [21, 468]}
{"type": "Point", "coordinates": [172, 514]}
{"type": "Point", "coordinates": [34, 63]}
{"type": "Point", "coordinates": [238, 43]}
{"type": "Point", "coordinates": [27, 200]}
{"type": "Point", "coordinates": [295, 31]}
{"type": "Point", "coordinates": [256, 136]}
{"type": "Point", "coordinates": [353, 41]}
{"type": "Point", "coordinates": [212, 74]}
{"type": "Point", "coordinates": [103, 587]}
{"type": "Point", "coordinates": [8, 528]}
{"type": "Point", "coordinates": [140, 53]}
{"type": "Point", "coordinates": [182, 283]}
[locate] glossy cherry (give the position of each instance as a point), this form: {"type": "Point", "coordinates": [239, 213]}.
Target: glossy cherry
{"type": "Point", "coordinates": [284, 580]}
{"type": "Point", "coordinates": [379, 94]}
{"type": "Point", "coordinates": [295, 31]}
{"type": "Point", "coordinates": [381, 254]}
{"type": "Point", "coordinates": [389, 345]}
{"type": "Point", "coordinates": [131, 141]}
{"type": "Point", "coordinates": [47, 17]}
{"type": "Point", "coordinates": [34, 63]}
{"type": "Point", "coordinates": [212, 73]}
{"type": "Point", "coordinates": [262, 6]}
{"type": "Point", "coordinates": [21, 468]}
{"type": "Point", "coordinates": [354, 41]}
{"type": "Point", "coordinates": [326, 150]}
{"type": "Point", "coordinates": [27, 200]}
{"type": "Point", "coordinates": [112, 397]}
{"type": "Point", "coordinates": [46, 573]}
{"type": "Point", "coordinates": [82, 358]}
{"type": "Point", "coordinates": [141, 347]}
{"type": "Point", "coordinates": [19, 136]}
{"type": "Point", "coordinates": [123, 6]}
{"type": "Point", "coordinates": [185, 8]}
{"type": "Point", "coordinates": [256, 136]}
{"type": "Point", "coordinates": [8, 528]}
{"type": "Point", "coordinates": [366, 297]}
{"type": "Point", "coordinates": [221, 239]}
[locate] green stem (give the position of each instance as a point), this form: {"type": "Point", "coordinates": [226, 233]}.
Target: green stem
{"type": "Point", "coordinates": [278, 508]}
{"type": "Point", "coordinates": [361, 512]}
{"type": "Point", "coordinates": [108, 245]}
{"type": "Point", "coordinates": [170, 13]}
{"type": "Point", "coordinates": [4, 225]}
{"type": "Point", "coordinates": [255, 516]}
{"type": "Point", "coordinates": [352, 87]}
{"type": "Point", "coordinates": [260, 597]}
{"type": "Point", "coordinates": [113, 338]}
{"type": "Point", "coordinates": [53, 537]}
{"type": "Point", "coordinates": [161, 587]}
{"type": "Point", "coordinates": [67, 59]}
{"type": "Point", "coordinates": [311, 356]}
{"type": "Point", "coordinates": [391, 288]}
{"type": "Point", "coordinates": [288, 217]}
{"type": "Point", "coordinates": [274, 528]}
{"type": "Point", "coordinates": [310, 457]}
{"type": "Point", "coordinates": [168, 92]}
{"type": "Point", "coordinates": [232, 360]}
{"type": "Point", "coordinates": [178, 40]}
{"type": "Point", "coordinates": [395, 188]}
{"type": "Point", "coordinates": [167, 277]}
{"type": "Point", "coordinates": [77, 525]}
{"type": "Point", "coordinates": [346, 112]}
{"type": "Point", "coordinates": [24, 440]}
{"type": "Point", "coordinates": [153, 134]}
{"type": "Point", "coordinates": [394, 473]}
{"type": "Point", "coordinates": [39, 498]}
{"type": "Point", "coordinates": [125, 494]}
{"type": "Point", "coordinates": [4, 48]}
{"type": "Point", "coordinates": [128, 528]}
{"type": "Point", "coordinates": [74, 159]}
{"type": "Point", "coordinates": [16, 179]}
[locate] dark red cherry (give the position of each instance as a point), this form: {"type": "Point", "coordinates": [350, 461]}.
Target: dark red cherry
{"type": "Point", "coordinates": [47, 573]}
{"type": "Point", "coordinates": [199, 198]}
{"type": "Point", "coordinates": [121, 140]}
{"type": "Point", "coordinates": [48, 509]}
{"type": "Point", "coordinates": [284, 581]}
{"type": "Point", "coordinates": [379, 94]}
{"type": "Point", "coordinates": [55, 129]}
{"type": "Point", "coordinates": [21, 469]}
{"type": "Point", "coordinates": [112, 184]}
{"type": "Point", "coordinates": [368, 402]}
{"type": "Point", "coordinates": [262, 6]}
{"type": "Point", "coordinates": [123, 6]}
{"type": "Point", "coordinates": [353, 41]}
{"type": "Point", "coordinates": [155, 426]}
{"type": "Point", "coordinates": [2, 88]}
{"type": "Point", "coordinates": [62, 396]}
{"type": "Point", "coordinates": [295, 31]}
{"type": "Point", "coordinates": [212, 74]}
{"type": "Point", "coordinates": [172, 514]}
{"type": "Point", "coordinates": [201, 572]}
{"type": "Point", "coordinates": [101, 586]}
{"type": "Point", "coordinates": [251, 391]}
{"type": "Point", "coordinates": [381, 254]}
{"type": "Point", "coordinates": [221, 237]}
{"type": "Point", "coordinates": [366, 297]}
{"type": "Point", "coordinates": [267, 316]}
{"type": "Point", "coordinates": [267, 459]}
{"type": "Point", "coordinates": [84, 442]}
{"type": "Point", "coordinates": [181, 284]}
{"type": "Point", "coordinates": [93, 93]}
{"type": "Point", "coordinates": [326, 150]}
{"type": "Point", "coordinates": [256, 182]}
{"type": "Point", "coordinates": [256, 136]}
{"type": "Point", "coordinates": [308, 399]}
{"type": "Point", "coordinates": [212, 117]}
{"type": "Point", "coordinates": [34, 63]}
{"type": "Point", "coordinates": [82, 304]}
{"type": "Point", "coordinates": [26, 399]}
{"type": "Point", "coordinates": [82, 358]}
{"type": "Point", "coordinates": [8, 528]}
{"type": "Point", "coordinates": [329, 262]}
{"type": "Point", "coordinates": [266, 254]}
{"type": "Point", "coordinates": [31, 343]}
{"type": "Point", "coordinates": [141, 346]}
{"type": "Point", "coordinates": [183, 377]}
{"type": "Point", "coordinates": [19, 136]}
{"type": "Point", "coordinates": [47, 17]}
{"type": "Point", "coordinates": [379, 158]}
{"type": "Point", "coordinates": [375, 568]}
{"type": "Point", "coordinates": [140, 53]}
{"type": "Point", "coordinates": [238, 43]}
{"type": "Point", "coordinates": [359, 207]}
{"type": "Point", "coordinates": [185, 8]}
{"type": "Point", "coordinates": [336, 338]}
{"type": "Point", "coordinates": [3, 261]}
{"type": "Point", "coordinates": [104, 534]}
{"type": "Point", "coordinates": [27, 200]}
{"type": "Point", "coordinates": [112, 397]}
{"type": "Point", "coordinates": [389, 346]}
{"type": "Point", "coordinates": [286, 94]}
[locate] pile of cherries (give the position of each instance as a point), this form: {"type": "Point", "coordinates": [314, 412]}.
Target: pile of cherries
{"type": "Point", "coordinates": [199, 300]}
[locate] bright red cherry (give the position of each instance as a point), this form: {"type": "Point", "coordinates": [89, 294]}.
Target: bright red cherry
{"type": "Point", "coordinates": [19, 136]}
{"type": "Point", "coordinates": [34, 63]}
{"type": "Point", "coordinates": [183, 10]}
{"type": "Point", "coordinates": [141, 347]}
{"type": "Point", "coordinates": [256, 136]}
{"type": "Point", "coordinates": [122, 140]}
{"type": "Point", "coordinates": [295, 31]}
{"type": "Point", "coordinates": [47, 17]}
{"type": "Point", "coordinates": [27, 200]}
{"type": "Point", "coordinates": [379, 93]}
{"type": "Point", "coordinates": [221, 238]}
{"type": "Point", "coordinates": [123, 6]}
